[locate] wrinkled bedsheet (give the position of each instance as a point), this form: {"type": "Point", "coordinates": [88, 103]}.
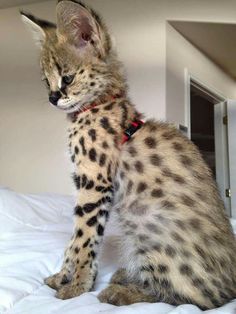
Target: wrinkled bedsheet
{"type": "Point", "coordinates": [34, 230]}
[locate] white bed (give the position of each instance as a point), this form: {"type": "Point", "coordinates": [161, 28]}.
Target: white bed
{"type": "Point", "coordinates": [34, 230]}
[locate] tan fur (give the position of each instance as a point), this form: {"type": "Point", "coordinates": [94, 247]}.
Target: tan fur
{"type": "Point", "coordinates": [178, 245]}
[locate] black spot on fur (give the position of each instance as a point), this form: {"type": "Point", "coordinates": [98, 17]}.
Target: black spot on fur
{"type": "Point", "coordinates": [167, 173]}
{"type": "Point", "coordinates": [89, 207]}
{"type": "Point", "coordinates": [76, 250]}
{"type": "Point", "coordinates": [105, 145]}
{"type": "Point", "coordinates": [177, 237]}
{"type": "Point", "coordinates": [79, 233]}
{"type": "Point", "coordinates": [150, 142]}
{"type": "Point", "coordinates": [93, 254]}
{"type": "Point", "coordinates": [185, 269]}
{"type": "Point", "coordinates": [188, 201]}
{"type": "Point", "coordinates": [195, 223]}
{"type": "Point", "coordinates": [81, 141]}
{"type": "Point", "coordinates": [169, 135]}
{"type": "Point", "coordinates": [142, 186]}
{"type": "Point", "coordinates": [177, 178]}
{"type": "Point", "coordinates": [177, 146]}
{"type": "Point", "coordinates": [168, 205]}
{"type": "Point", "coordinates": [64, 280]}
{"type": "Point", "coordinates": [93, 154]}
{"type": "Point", "coordinates": [102, 160]}
{"type": "Point", "coordinates": [106, 125]}
{"type": "Point", "coordinates": [148, 268]}
{"type": "Point", "coordinates": [94, 110]}
{"type": "Point", "coordinates": [89, 185]}
{"type": "Point", "coordinates": [126, 165]}
{"type": "Point", "coordinates": [157, 193]}
{"type": "Point", "coordinates": [76, 150]}
{"type": "Point", "coordinates": [76, 180]}
{"type": "Point", "coordinates": [78, 211]}
{"type": "Point", "coordinates": [155, 160]}
{"type": "Point", "coordinates": [157, 247]}
{"type": "Point", "coordinates": [86, 243]}
{"type": "Point", "coordinates": [100, 230]}
{"type": "Point", "coordinates": [179, 223]}
{"type": "Point", "coordinates": [109, 107]}
{"type": "Point", "coordinates": [139, 166]}
{"type": "Point", "coordinates": [186, 161]}
{"type": "Point", "coordinates": [92, 221]}
{"type": "Point", "coordinates": [164, 283]}
{"type": "Point", "coordinates": [206, 292]}
{"type": "Point", "coordinates": [170, 251]}
{"type": "Point", "coordinates": [158, 181]}
{"type": "Point", "coordinates": [198, 282]}
{"type": "Point", "coordinates": [143, 237]}
{"type": "Point", "coordinates": [92, 134]}
{"type": "Point", "coordinates": [132, 151]}
{"type": "Point", "coordinates": [163, 268]}
{"type": "Point", "coordinates": [199, 250]}
{"type": "Point", "coordinates": [153, 228]}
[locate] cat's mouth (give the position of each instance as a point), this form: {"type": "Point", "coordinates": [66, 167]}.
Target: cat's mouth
{"type": "Point", "coordinates": [72, 106]}
{"type": "Point", "coordinates": [69, 108]}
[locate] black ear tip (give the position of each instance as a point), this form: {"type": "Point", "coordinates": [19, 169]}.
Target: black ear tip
{"type": "Point", "coordinates": [26, 14]}
{"type": "Point", "coordinates": [22, 12]}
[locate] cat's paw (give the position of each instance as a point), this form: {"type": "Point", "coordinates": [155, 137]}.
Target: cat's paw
{"type": "Point", "coordinates": [115, 294]}
{"type": "Point", "coordinates": [69, 291]}
{"type": "Point", "coordinates": [57, 281]}
{"type": "Point", "coordinates": [120, 277]}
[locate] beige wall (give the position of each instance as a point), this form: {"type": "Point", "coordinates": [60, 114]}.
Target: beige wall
{"type": "Point", "coordinates": [32, 134]}
{"type": "Point", "coordinates": [183, 59]}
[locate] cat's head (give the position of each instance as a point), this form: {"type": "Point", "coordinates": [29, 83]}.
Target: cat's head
{"type": "Point", "coordinates": [76, 55]}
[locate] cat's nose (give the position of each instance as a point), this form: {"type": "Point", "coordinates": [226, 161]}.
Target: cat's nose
{"type": "Point", "coordinates": [54, 97]}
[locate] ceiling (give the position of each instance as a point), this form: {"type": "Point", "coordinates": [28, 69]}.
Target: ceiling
{"type": "Point", "coordinates": [216, 40]}
{"type": "Point", "coordinates": [14, 3]}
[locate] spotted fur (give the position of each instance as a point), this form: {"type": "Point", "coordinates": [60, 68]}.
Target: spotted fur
{"type": "Point", "coordinates": [178, 246]}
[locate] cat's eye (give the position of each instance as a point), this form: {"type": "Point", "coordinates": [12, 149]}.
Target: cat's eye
{"type": "Point", "coordinates": [68, 79]}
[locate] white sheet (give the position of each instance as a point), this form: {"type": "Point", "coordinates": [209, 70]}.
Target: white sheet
{"type": "Point", "coordinates": [34, 231]}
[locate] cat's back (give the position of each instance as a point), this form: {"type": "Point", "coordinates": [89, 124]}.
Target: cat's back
{"type": "Point", "coordinates": [170, 210]}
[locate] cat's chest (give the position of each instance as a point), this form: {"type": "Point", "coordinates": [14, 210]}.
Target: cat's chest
{"type": "Point", "coordinates": [89, 141]}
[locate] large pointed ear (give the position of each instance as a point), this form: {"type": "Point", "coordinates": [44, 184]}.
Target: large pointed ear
{"type": "Point", "coordinates": [82, 27]}
{"type": "Point", "coordinates": [37, 26]}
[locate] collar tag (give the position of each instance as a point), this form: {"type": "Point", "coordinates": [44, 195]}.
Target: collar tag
{"type": "Point", "coordinates": [133, 127]}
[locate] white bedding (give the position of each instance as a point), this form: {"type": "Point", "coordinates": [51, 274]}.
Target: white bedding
{"type": "Point", "coordinates": [34, 231]}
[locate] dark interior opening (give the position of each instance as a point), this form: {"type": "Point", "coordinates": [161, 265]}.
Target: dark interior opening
{"type": "Point", "coordinates": [202, 126]}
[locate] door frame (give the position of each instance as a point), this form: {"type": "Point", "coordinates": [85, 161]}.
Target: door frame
{"type": "Point", "coordinates": [214, 95]}
{"type": "Point", "coordinates": [190, 79]}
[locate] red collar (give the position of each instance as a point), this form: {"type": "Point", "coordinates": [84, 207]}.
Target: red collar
{"type": "Point", "coordinates": [133, 127]}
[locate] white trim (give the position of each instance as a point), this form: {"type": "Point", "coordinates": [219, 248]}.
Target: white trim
{"type": "Point", "coordinates": [231, 112]}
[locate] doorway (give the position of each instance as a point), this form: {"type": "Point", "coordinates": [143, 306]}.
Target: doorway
{"type": "Point", "coordinates": [202, 125]}
{"type": "Point", "coordinates": [208, 131]}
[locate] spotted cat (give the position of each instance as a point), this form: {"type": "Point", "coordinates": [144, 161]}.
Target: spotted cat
{"type": "Point", "coordinates": [178, 245]}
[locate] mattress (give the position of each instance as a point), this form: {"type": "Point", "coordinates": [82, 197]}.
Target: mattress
{"type": "Point", "coordinates": [34, 230]}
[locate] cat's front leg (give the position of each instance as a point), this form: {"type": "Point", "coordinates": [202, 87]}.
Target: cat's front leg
{"type": "Point", "coordinates": [80, 261]}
